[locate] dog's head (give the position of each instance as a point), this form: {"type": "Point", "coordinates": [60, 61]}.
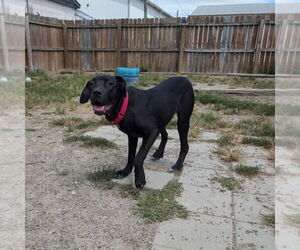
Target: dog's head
{"type": "Point", "coordinates": [103, 91]}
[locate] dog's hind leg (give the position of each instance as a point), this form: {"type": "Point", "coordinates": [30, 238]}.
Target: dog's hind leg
{"type": "Point", "coordinates": [184, 113]}
{"type": "Point", "coordinates": [159, 153]}
{"type": "Point", "coordinates": [132, 143]}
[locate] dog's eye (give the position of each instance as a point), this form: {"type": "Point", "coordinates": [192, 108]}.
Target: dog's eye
{"type": "Point", "coordinates": [109, 83]}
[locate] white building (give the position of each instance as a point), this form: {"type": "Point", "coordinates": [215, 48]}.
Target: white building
{"type": "Point", "coordinates": [114, 9]}
{"type": "Point", "coordinates": [234, 9]}
{"type": "Point", "coordinates": [62, 9]}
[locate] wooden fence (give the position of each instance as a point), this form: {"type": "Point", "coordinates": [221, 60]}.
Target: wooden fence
{"type": "Point", "coordinates": [12, 41]}
{"type": "Point", "coordinates": [218, 44]}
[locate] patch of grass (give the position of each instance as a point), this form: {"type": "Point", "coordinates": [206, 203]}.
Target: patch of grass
{"type": "Point", "coordinates": [229, 183]}
{"type": "Point", "coordinates": [147, 80]}
{"type": "Point", "coordinates": [289, 130]}
{"type": "Point", "coordinates": [30, 130]}
{"type": "Point", "coordinates": [208, 120]}
{"type": "Point", "coordinates": [226, 139]}
{"type": "Point", "coordinates": [60, 109]}
{"type": "Point", "coordinates": [256, 127]}
{"type": "Point", "coordinates": [260, 142]}
{"type": "Point", "coordinates": [103, 176]}
{"type": "Point", "coordinates": [161, 205]}
{"type": "Point", "coordinates": [248, 171]}
{"type": "Point", "coordinates": [129, 191]}
{"type": "Point", "coordinates": [76, 123]}
{"type": "Point", "coordinates": [287, 109]}
{"type": "Point", "coordinates": [223, 102]}
{"type": "Point", "coordinates": [36, 73]}
{"type": "Point", "coordinates": [252, 82]}
{"type": "Point", "coordinates": [88, 141]}
{"type": "Point", "coordinates": [44, 91]}
{"type": "Point", "coordinates": [269, 219]}
{"type": "Point", "coordinates": [229, 154]}
{"type": "Point", "coordinates": [66, 72]}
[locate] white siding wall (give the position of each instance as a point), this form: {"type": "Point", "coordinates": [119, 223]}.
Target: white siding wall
{"type": "Point", "coordinates": [51, 9]}
{"type": "Point", "coordinates": [110, 9]}
{"type": "Point", "coordinates": [16, 7]}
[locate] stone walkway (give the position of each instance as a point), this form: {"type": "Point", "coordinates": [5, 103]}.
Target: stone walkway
{"type": "Point", "coordinates": [219, 218]}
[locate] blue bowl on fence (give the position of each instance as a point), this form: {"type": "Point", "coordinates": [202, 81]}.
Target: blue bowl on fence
{"type": "Point", "coordinates": [129, 72]}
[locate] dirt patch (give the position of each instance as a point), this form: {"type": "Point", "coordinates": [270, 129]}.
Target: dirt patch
{"type": "Point", "coordinates": [67, 211]}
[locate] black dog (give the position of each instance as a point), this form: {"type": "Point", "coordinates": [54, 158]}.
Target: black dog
{"type": "Point", "coordinates": [147, 115]}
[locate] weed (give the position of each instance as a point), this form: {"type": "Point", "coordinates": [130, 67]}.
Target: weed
{"type": "Point", "coordinates": [229, 154]}
{"type": "Point", "coordinates": [60, 110]}
{"type": "Point", "coordinates": [76, 123]}
{"type": "Point", "coordinates": [208, 120]}
{"type": "Point", "coordinates": [256, 127]}
{"type": "Point", "coordinates": [30, 130]}
{"type": "Point", "coordinates": [260, 142]}
{"type": "Point", "coordinates": [129, 191]}
{"type": "Point", "coordinates": [161, 205]}
{"type": "Point", "coordinates": [61, 173]}
{"type": "Point", "coordinates": [226, 139]}
{"type": "Point", "coordinates": [269, 219]}
{"type": "Point", "coordinates": [103, 176]}
{"type": "Point", "coordinates": [227, 182]}
{"type": "Point", "coordinates": [245, 170]}
{"type": "Point", "coordinates": [222, 101]}
{"type": "Point", "coordinates": [88, 141]}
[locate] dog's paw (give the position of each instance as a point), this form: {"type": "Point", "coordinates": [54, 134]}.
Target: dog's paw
{"type": "Point", "coordinates": [140, 184]}
{"type": "Point", "coordinates": [175, 169]}
{"type": "Point", "coordinates": [156, 156]}
{"type": "Point", "coordinates": [122, 173]}
{"type": "Point", "coordinates": [153, 158]}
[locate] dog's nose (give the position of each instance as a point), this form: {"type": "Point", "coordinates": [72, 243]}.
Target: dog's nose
{"type": "Point", "coordinates": [97, 93]}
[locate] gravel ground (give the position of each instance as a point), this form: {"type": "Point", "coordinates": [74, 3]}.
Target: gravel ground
{"type": "Point", "coordinates": [68, 211]}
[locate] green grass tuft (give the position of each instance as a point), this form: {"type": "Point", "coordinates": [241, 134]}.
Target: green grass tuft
{"type": "Point", "coordinates": [208, 120]}
{"type": "Point", "coordinates": [161, 205]}
{"type": "Point", "coordinates": [223, 102]}
{"type": "Point", "coordinates": [247, 170]}
{"type": "Point", "coordinates": [30, 130]}
{"type": "Point", "coordinates": [256, 127]}
{"type": "Point", "coordinates": [227, 182]}
{"type": "Point", "coordinates": [88, 141]}
{"type": "Point", "coordinates": [269, 219]}
{"type": "Point", "coordinates": [260, 142]}
{"type": "Point", "coordinates": [226, 139]}
{"type": "Point", "coordinates": [102, 175]}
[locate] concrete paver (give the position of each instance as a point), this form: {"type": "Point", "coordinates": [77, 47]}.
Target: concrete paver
{"type": "Point", "coordinates": [154, 179]}
{"type": "Point", "coordinates": [208, 232]}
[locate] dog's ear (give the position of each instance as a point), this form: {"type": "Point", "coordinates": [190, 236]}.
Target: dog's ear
{"type": "Point", "coordinates": [121, 83]}
{"type": "Point", "coordinates": [86, 93]}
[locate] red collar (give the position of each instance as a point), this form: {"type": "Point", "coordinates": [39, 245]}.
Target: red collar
{"type": "Point", "coordinates": [122, 112]}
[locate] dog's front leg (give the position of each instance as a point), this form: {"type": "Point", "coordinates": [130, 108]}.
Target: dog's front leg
{"type": "Point", "coordinates": [140, 157]}
{"type": "Point", "coordinates": [132, 143]}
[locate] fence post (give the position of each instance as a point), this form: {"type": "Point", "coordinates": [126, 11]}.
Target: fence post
{"type": "Point", "coordinates": [65, 42]}
{"type": "Point", "coordinates": [28, 44]}
{"type": "Point", "coordinates": [119, 44]}
{"type": "Point", "coordinates": [4, 42]}
{"type": "Point", "coordinates": [258, 46]}
{"type": "Point", "coordinates": [181, 49]}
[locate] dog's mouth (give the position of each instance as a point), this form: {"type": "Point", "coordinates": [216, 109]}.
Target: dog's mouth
{"type": "Point", "coordinates": [101, 109]}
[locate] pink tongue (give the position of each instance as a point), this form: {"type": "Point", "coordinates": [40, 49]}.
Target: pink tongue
{"type": "Point", "coordinates": [101, 108]}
